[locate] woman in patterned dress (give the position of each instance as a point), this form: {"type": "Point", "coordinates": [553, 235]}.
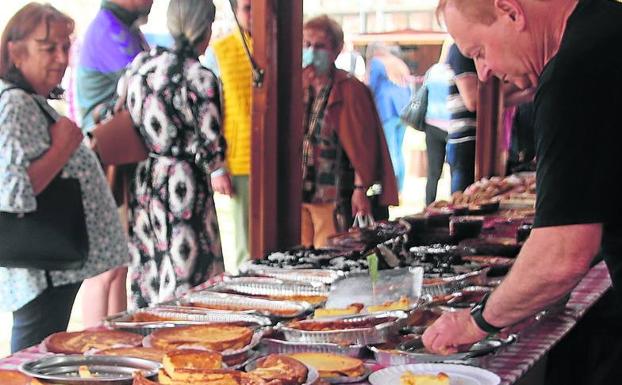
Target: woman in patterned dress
{"type": "Point", "coordinates": [36, 146]}
{"type": "Point", "coordinates": [174, 101]}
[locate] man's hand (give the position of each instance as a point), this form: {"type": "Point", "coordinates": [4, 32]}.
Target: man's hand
{"type": "Point", "coordinates": [360, 202]}
{"type": "Point", "coordinates": [222, 184]}
{"type": "Point", "coordinates": [66, 137]}
{"type": "Point", "coordinates": [452, 332]}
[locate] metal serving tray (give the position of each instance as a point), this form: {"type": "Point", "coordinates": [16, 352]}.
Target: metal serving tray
{"type": "Point", "coordinates": [276, 346]}
{"type": "Point", "coordinates": [233, 358]}
{"type": "Point", "coordinates": [183, 317]}
{"type": "Point", "coordinates": [266, 307]}
{"type": "Point", "coordinates": [314, 276]}
{"type": "Point", "coordinates": [106, 370]}
{"type": "Point", "coordinates": [262, 286]}
{"type": "Point", "coordinates": [361, 336]}
{"type": "Point", "coordinates": [448, 285]}
{"type": "Point", "coordinates": [415, 352]}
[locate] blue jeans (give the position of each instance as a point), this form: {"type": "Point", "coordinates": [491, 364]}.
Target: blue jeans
{"type": "Point", "coordinates": [394, 131]}
{"type": "Point", "coordinates": [461, 159]}
{"type": "Point", "coordinates": [46, 314]}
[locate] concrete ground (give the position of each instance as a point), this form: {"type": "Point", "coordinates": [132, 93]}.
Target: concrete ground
{"type": "Point", "coordinates": [412, 200]}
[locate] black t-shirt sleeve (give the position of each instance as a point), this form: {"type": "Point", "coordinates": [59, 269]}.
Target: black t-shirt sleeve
{"type": "Point", "coordinates": [578, 145]}
{"type": "Point", "coordinates": [459, 63]}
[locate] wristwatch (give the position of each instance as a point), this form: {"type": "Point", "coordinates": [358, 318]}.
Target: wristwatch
{"type": "Point", "coordinates": [477, 312]}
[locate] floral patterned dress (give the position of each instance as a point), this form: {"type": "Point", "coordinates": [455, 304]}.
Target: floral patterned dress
{"type": "Point", "coordinates": [174, 237]}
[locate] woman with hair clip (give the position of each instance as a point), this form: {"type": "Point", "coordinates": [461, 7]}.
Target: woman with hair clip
{"type": "Point", "coordinates": [174, 101]}
{"type": "Point", "coordinates": [38, 147]}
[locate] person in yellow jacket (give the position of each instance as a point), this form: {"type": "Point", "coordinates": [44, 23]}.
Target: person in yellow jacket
{"type": "Point", "coordinates": [227, 59]}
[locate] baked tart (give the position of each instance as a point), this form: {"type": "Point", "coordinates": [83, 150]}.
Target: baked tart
{"type": "Point", "coordinates": [353, 309]}
{"type": "Point", "coordinates": [216, 337]}
{"type": "Point", "coordinates": [287, 370]}
{"type": "Point", "coordinates": [409, 378]}
{"type": "Point", "coordinates": [81, 342]}
{"type": "Point", "coordinates": [331, 365]}
{"type": "Point", "coordinates": [184, 364]}
{"type": "Point", "coordinates": [214, 377]}
{"type": "Point", "coordinates": [13, 377]}
{"type": "Point", "coordinates": [139, 352]}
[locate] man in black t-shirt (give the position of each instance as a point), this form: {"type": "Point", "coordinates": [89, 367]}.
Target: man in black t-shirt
{"type": "Point", "coordinates": [569, 51]}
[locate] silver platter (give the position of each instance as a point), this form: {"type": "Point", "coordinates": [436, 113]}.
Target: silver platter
{"type": "Point", "coordinates": [182, 317]}
{"type": "Point", "coordinates": [276, 346]}
{"type": "Point", "coordinates": [416, 352]}
{"type": "Point", "coordinates": [264, 286]}
{"type": "Point", "coordinates": [266, 307]}
{"type": "Point", "coordinates": [319, 276]}
{"type": "Point", "coordinates": [104, 369]}
{"type": "Point", "coordinates": [361, 336]}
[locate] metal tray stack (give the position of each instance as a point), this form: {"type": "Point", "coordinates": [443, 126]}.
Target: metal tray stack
{"type": "Point", "coordinates": [269, 287]}
{"type": "Point", "coordinates": [360, 336]}
{"type": "Point", "coordinates": [181, 317]}
{"type": "Point", "coordinates": [315, 276]}
{"type": "Point", "coordinates": [277, 346]}
{"type": "Point", "coordinates": [266, 307]}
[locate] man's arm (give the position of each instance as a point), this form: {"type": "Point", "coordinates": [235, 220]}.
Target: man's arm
{"type": "Point", "coordinates": [552, 261]}
{"type": "Point", "coordinates": [467, 87]}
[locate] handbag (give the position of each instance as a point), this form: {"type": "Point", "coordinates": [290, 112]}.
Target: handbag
{"type": "Point", "coordinates": [54, 237]}
{"type": "Point", "coordinates": [117, 142]}
{"type": "Point", "coordinates": [415, 111]}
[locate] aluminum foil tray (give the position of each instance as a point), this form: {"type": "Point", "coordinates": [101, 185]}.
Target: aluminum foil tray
{"type": "Point", "coordinates": [276, 346]}
{"type": "Point", "coordinates": [182, 317]}
{"type": "Point", "coordinates": [107, 370]}
{"type": "Point", "coordinates": [392, 357]}
{"type": "Point", "coordinates": [262, 286]}
{"type": "Point", "coordinates": [319, 276]}
{"type": "Point", "coordinates": [232, 358]}
{"type": "Point", "coordinates": [449, 285]}
{"type": "Point", "coordinates": [362, 336]}
{"type": "Point", "coordinates": [275, 309]}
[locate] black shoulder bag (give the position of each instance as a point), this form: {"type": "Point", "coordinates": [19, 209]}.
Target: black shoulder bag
{"type": "Point", "coordinates": [415, 111]}
{"type": "Point", "coordinates": [54, 237]}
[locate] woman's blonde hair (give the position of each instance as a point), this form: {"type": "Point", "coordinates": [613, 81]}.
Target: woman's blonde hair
{"type": "Point", "coordinates": [190, 19]}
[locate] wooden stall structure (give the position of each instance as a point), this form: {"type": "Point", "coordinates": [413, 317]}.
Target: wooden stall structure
{"type": "Point", "coordinates": [277, 119]}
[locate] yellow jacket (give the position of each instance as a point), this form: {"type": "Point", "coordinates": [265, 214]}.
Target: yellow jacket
{"type": "Point", "coordinates": [236, 76]}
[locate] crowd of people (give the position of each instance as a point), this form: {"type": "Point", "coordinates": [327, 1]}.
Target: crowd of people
{"type": "Point", "coordinates": [194, 120]}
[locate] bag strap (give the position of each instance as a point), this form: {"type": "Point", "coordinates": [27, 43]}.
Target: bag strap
{"type": "Point", "coordinates": [48, 116]}
{"type": "Point", "coordinates": [258, 72]}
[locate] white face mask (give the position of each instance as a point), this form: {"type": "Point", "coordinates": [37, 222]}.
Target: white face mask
{"type": "Point", "coordinates": [318, 58]}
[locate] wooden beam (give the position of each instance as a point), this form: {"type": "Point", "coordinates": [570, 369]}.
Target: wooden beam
{"type": "Point", "coordinates": [277, 127]}
{"type": "Point", "coordinates": [490, 156]}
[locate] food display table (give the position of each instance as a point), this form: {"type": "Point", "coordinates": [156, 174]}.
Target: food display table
{"type": "Point", "coordinates": [510, 363]}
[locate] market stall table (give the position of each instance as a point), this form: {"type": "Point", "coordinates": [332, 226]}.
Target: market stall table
{"type": "Point", "coordinates": [510, 363]}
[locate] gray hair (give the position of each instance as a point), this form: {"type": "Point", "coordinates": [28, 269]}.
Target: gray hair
{"type": "Point", "coordinates": [190, 19]}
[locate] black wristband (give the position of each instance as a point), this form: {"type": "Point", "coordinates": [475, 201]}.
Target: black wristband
{"type": "Point", "coordinates": [359, 187]}
{"type": "Point", "coordinates": [477, 312]}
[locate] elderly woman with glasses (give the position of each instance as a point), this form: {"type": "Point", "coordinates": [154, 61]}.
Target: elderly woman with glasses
{"type": "Point", "coordinates": [37, 146]}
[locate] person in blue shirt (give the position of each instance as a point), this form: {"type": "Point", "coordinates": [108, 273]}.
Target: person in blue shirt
{"type": "Point", "coordinates": [389, 79]}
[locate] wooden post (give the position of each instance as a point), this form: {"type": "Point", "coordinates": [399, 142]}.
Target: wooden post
{"type": "Point", "coordinates": [276, 187]}
{"type": "Point", "coordinates": [490, 157]}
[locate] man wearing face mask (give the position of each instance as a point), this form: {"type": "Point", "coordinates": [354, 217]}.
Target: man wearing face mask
{"type": "Point", "coordinates": [344, 149]}
{"type": "Point", "coordinates": [227, 59]}
{"type": "Point", "coordinates": [111, 42]}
